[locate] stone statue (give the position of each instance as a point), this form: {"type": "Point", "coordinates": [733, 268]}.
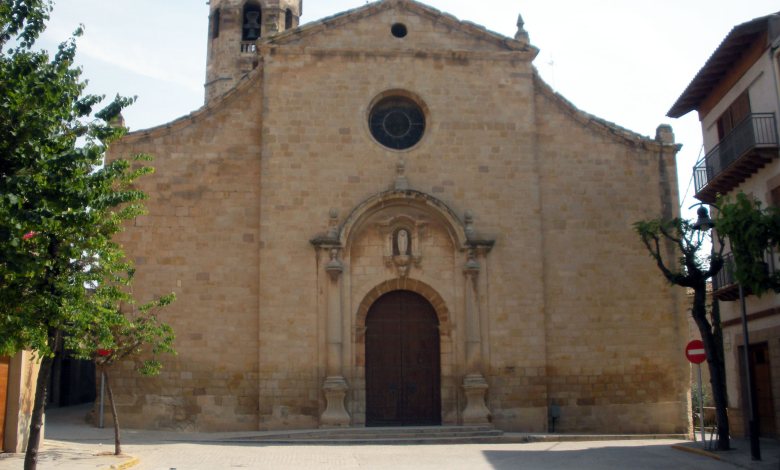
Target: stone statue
{"type": "Point", "coordinates": [403, 242]}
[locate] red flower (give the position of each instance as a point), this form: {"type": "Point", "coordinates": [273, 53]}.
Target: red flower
{"type": "Point", "coordinates": [29, 235]}
{"type": "Point", "coordinates": [104, 352]}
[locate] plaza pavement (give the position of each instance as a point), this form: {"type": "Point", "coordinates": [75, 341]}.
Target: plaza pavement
{"type": "Point", "coordinates": [71, 444]}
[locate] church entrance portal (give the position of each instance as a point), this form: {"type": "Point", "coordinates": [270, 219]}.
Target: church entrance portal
{"type": "Point", "coordinates": [403, 385]}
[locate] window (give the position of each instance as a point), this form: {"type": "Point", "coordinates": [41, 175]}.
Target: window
{"type": "Point", "coordinates": [399, 30]}
{"type": "Point", "coordinates": [250, 30]}
{"type": "Point", "coordinates": [215, 24]}
{"type": "Point", "coordinates": [397, 122]}
{"type": "Point", "coordinates": [773, 191]}
{"type": "Point", "coordinates": [736, 113]}
{"type": "Point", "coordinates": [288, 19]}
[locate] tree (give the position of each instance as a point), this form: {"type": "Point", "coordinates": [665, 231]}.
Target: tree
{"type": "Point", "coordinates": [120, 334]}
{"type": "Point", "coordinates": [693, 271]}
{"type": "Point", "coordinates": [752, 232]}
{"type": "Point", "coordinates": [60, 205]}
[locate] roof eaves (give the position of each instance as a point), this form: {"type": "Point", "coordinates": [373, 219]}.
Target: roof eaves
{"type": "Point", "coordinates": [740, 37]}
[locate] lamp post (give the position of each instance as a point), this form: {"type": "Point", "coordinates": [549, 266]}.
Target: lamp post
{"type": "Point", "coordinates": [704, 223]}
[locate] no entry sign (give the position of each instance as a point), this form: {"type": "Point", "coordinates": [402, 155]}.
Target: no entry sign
{"type": "Point", "coordinates": [695, 352]}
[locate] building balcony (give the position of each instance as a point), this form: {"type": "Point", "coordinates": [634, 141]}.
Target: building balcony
{"type": "Point", "coordinates": [724, 284]}
{"type": "Point", "coordinates": [744, 151]}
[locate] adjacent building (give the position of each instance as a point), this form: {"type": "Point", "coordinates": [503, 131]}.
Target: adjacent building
{"type": "Point", "coordinates": [737, 96]}
{"type": "Point", "coordinates": [18, 375]}
{"type": "Point", "coordinates": [387, 217]}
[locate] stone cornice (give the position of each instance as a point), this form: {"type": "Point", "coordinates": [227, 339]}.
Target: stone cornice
{"type": "Point", "coordinates": [471, 55]}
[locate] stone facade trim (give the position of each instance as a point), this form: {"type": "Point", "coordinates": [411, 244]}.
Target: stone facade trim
{"type": "Point", "coordinates": [602, 126]}
{"type": "Point", "coordinates": [473, 29]}
{"type": "Point", "coordinates": [457, 229]}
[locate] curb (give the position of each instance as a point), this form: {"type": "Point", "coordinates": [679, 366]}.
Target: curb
{"type": "Point", "coordinates": [694, 450]}
{"type": "Point", "coordinates": [131, 462]}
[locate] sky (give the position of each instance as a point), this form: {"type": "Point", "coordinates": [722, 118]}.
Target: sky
{"type": "Point", "coordinates": [626, 61]}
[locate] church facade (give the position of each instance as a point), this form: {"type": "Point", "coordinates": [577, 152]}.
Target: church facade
{"type": "Point", "coordinates": [387, 218]}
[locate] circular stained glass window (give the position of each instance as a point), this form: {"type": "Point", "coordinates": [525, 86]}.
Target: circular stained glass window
{"type": "Point", "coordinates": [397, 122]}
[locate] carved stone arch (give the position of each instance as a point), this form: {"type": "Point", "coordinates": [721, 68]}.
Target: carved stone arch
{"type": "Point", "coordinates": [413, 285]}
{"type": "Point", "coordinates": [437, 209]}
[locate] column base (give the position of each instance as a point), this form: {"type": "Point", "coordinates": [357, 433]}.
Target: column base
{"type": "Point", "coordinates": [476, 412]}
{"type": "Point", "coordinates": [335, 414]}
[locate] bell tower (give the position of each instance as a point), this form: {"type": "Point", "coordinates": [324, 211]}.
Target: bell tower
{"type": "Point", "coordinates": [234, 28]}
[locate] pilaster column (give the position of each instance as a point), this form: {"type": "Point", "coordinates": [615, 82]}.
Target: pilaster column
{"type": "Point", "coordinates": [473, 333]}
{"type": "Point", "coordinates": [474, 384]}
{"type": "Point", "coordinates": [335, 386]}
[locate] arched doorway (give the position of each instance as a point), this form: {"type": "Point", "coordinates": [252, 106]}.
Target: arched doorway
{"type": "Point", "coordinates": [403, 372]}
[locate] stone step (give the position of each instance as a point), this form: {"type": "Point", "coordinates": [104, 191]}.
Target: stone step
{"type": "Point", "coordinates": [385, 441]}
{"type": "Point", "coordinates": [384, 435]}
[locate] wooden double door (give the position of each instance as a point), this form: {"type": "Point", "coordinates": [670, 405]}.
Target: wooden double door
{"type": "Point", "coordinates": [403, 372]}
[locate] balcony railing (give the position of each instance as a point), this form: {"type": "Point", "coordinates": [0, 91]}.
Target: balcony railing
{"type": "Point", "coordinates": [744, 150]}
{"type": "Point", "coordinates": [248, 47]}
{"type": "Point", "coordinates": [724, 284]}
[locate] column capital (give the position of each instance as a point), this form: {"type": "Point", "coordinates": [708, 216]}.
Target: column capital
{"type": "Point", "coordinates": [334, 267]}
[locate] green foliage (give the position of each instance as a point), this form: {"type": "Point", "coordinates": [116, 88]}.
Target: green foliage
{"type": "Point", "coordinates": [61, 273]}
{"type": "Point", "coordinates": [60, 203]}
{"type": "Point", "coordinates": [693, 268]}
{"type": "Point", "coordinates": [706, 394]}
{"type": "Point", "coordinates": [752, 232]}
{"type": "Point", "coordinates": [122, 331]}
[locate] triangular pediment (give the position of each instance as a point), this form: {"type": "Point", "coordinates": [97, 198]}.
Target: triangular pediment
{"type": "Point", "coordinates": [371, 27]}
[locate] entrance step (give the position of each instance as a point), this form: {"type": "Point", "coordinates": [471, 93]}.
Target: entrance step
{"type": "Point", "coordinates": [382, 436]}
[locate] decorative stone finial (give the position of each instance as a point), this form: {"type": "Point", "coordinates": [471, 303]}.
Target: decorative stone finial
{"type": "Point", "coordinates": [521, 35]}
{"type": "Point", "coordinates": [664, 134]}
{"type": "Point", "coordinates": [334, 267]}
{"type": "Point", "coordinates": [117, 121]}
{"type": "Point", "coordinates": [333, 223]}
{"type": "Point", "coordinates": [401, 183]}
{"type": "Point", "coordinates": [468, 219]}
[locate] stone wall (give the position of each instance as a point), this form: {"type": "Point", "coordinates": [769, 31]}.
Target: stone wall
{"type": "Point", "coordinates": [569, 309]}
{"type": "Point", "coordinates": [200, 240]}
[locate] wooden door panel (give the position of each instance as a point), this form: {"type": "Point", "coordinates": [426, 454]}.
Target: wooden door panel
{"type": "Point", "coordinates": [383, 378]}
{"type": "Point", "coordinates": [762, 388]}
{"type": "Point", "coordinates": [402, 361]}
{"type": "Point", "coordinates": [421, 372]}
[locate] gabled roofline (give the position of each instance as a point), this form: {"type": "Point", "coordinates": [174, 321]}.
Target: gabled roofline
{"type": "Point", "coordinates": [614, 131]}
{"type": "Point", "coordinates": [410, 5]}
{"type": "Point", "coordinates": [220, 101]}
{"type": "Point", "coordinates": [730, 49]}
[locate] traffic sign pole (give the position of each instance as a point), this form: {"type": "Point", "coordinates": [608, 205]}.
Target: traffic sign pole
{"type": "Point", "coordinates": [701, 411]}
{"type": "Point", "coordinates": [696, 354]}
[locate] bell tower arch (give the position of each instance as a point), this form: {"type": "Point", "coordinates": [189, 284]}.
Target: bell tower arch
{"type": "Point", "coordinates": [235, 26]}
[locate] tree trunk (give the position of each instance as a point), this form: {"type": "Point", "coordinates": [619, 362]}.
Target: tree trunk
{"type": "Point", "coordinates": [716, 366]}
{"type": "Point", "coordinates": [36, 420]}
{"type": "Point", "coordinates": [117, 442]}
